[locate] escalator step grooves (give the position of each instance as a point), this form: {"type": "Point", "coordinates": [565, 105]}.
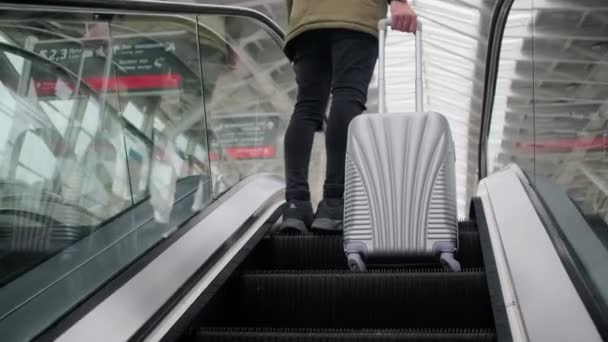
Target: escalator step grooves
{"type": "Point", "coordinates": [298, 288]}
{"type": "Point", "coordinates": [300, 251]}
{"type": "Point", "coordinates": [467, 226]}
{"type": "Point", "coordinates": [469, 249]}
{"type": "Point", "coordinates": [375, 300]}
{"type": "Point", "coordinates": [327, 251]}
{"type": "Point", "coordinates": [348, 273]}
{"type": "Point", "coordinates": [253, 334]}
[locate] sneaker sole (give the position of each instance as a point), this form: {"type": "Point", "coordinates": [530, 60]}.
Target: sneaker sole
{"type": "Point", "coordinates": [292, 225]}
{"type": "Point", "coordinates": [327, 225]}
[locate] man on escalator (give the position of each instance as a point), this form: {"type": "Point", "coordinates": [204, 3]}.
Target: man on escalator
{"type": "Point", "coordinates": [333, 46]}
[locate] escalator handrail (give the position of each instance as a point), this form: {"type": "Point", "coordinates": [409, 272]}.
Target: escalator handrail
{"type": "Point", "coordinates": [597, 309]}
{"type": "Point", "coordinates": [497, 30]}
{"type": "Point", "coordinates": [586, 288]}
{"type": "Point", "coordinates": [149, 7]}
{"type": "Point", "coordinates": [251, 202]}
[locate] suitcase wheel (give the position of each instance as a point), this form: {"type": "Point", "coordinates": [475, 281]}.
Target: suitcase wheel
{"type": "Point", "coordinates": [355, 263]}
{"type": "Point", "coordinates": [449, 263]}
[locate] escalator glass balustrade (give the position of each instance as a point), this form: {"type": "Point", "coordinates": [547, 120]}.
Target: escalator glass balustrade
{"type": "Point", "coordinates": [550, 117]}
{"type": "Point", "coordinates": [84, 138]}
{"type": "Point", "coordinates": [116, 130]}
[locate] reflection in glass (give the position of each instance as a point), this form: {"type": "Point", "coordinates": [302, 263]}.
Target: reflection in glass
{"type": "Point", "coordinates": [551, 111]}
{"type": "Point", "coordinates": [551, 118]}
{"type": "Point", "coordinates": [249, 95]}
{"type": "Point", "coordinates": [54, 191]}
{"type": "Point", "coordinates": [160, 77]}
{"type": "Point", "coordinates": [92, 127]}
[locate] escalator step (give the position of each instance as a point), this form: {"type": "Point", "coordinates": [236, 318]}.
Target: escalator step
{"type": "Point", "coordinates": [467, 226]}
{"type": "Point", "coordinates": [469, 249]}
{"type": "Point", "coordinates": [326, 251]}
{"type": "Point", "coordinates": [299, 252]}
{"type": "Point", "coordinates": [296, 335]}
{"type": "Point", "coordinates": [383, 299]}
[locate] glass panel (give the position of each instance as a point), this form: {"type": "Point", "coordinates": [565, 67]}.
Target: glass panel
{"type": "Point", "coordinates": [511, 137]}
{"type": "Point", "coordinates": [249, 95]}
{"type": "Point", "coordinates": [53, 194]}
{"type": "Point", "coordinates": [570, 62]}
{"type": "Point", "coordinates": [159, 73]}
{"type": "Point", "coordinates": [103, 145]}
{"type": "Point", "coordinates": [550, 115]}
{"type": "Point", "coordinates": [551, 118]}
{"type": "Point", "coordinates": [571, 104]}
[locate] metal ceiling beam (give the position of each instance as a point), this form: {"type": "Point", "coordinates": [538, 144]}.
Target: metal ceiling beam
{"type": "Point", "coordinates": [554, 32]}
{"type": "Point", "coordinates": [577, 5]}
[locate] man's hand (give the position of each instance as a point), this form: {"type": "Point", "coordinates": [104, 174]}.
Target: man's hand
{"type": "Point", "coordinates": [403, 17]}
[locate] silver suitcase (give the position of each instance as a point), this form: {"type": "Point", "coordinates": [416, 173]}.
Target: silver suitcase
{"type": "Point", "coordinates": [400, 191]}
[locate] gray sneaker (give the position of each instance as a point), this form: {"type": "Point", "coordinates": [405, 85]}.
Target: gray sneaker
{"type": "Point", "coordinates": [329, 216]}
{"type": "Point", "coordinates": [297, 217]}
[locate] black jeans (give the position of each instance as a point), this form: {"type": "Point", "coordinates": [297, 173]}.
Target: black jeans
{"type": "Point", "coordinates": [328, 61]}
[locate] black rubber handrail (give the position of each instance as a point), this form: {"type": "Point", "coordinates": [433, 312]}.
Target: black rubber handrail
{"type": "Point", "coordinates": [584, 285]}
{"type": "Point", "coordinates": [148, 7]}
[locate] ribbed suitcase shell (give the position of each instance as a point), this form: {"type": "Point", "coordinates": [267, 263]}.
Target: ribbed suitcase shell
{"type": "Point", "coordinates": [400, 192]}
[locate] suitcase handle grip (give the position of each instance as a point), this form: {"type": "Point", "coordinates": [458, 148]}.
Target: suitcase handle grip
{"type": "Point", "coordinates": [382, 28]}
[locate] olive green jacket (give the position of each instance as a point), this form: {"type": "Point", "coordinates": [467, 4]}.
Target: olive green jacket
{"type": "Point", "coordinates": [359, 15]}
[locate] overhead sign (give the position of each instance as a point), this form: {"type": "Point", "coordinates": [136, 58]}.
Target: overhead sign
{"type": "Point", "coordinates": [137, 63]}
{"type": "Point", "coordinates": [246, 137]}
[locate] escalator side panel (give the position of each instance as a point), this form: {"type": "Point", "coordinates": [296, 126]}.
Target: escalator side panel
{"type": "Point", "coordinates": [501, 321]}
{"type": "Point", "coordinates": [538, 293]}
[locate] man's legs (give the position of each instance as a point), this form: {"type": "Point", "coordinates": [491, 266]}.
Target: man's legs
{"type": "Point", "coordinates": [353, 57]}
{"type": "Point", "coordinates": [313, 76]}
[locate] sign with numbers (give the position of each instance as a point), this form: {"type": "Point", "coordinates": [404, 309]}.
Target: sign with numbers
{"type": "Point", "coordinates": [251, 136]}
{"type": "Point", "coordinates": [129, 64]}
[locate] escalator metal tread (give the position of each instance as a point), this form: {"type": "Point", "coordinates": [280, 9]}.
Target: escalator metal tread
{"type": "Point", "coordinates": [326, 251]}
{"type": "Point", "coordinates": [271, 334]}
{"type": "Point", "coordinates": [298, 288]}
{"type": "Point", "coordinates": [342, 299]}
{"type": "Point", "coordinates": [408, 269]}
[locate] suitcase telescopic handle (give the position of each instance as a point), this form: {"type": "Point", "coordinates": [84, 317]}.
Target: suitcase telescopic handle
{"type": "Point", "coordinates": [382, 28]}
